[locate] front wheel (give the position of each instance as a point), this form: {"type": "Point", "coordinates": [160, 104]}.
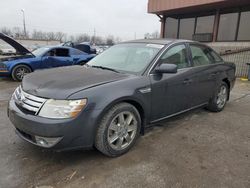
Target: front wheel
{"type": "Point", "coordinates": [118, 130]}
{"type": "Point", "coordinates": [219, 100]}
{"type": "Point", "coordinates": [19, 72]}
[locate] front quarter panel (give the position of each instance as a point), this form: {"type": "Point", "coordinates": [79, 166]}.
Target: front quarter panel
{"type": "Point", "coordinates": [103, 97]}
{"type": "Point", "coordinates": [33, 63]}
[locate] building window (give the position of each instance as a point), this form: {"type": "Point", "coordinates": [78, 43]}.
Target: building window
{"type": "Point", "coordinates": [244, 27]}
{"type": "Point", "coordinates": [186, 28]}
{"type": "Point", "coordinates": [171, 29]}
{"type": "Point", "coordinates": [205, 24]}
{"type": "Point", "coordinates": [227, 27]}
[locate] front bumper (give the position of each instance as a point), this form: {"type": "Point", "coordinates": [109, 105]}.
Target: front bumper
{"type": "Point", "coordinates": [71, 133]}
{"type": "Point", "coordinates": [4, 73]}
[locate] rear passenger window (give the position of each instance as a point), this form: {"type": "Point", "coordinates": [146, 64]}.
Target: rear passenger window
{"type": "Point", "coordinates": [61, 52]}
{"type": "Point", "coordinates": [176, 55]}
{"type": "Point", "coordinates": [200, 55]}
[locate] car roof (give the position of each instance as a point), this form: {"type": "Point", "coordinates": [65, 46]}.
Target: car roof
{"type": "Point", "coordinates": [158, 41]}
{"type": "Point", "coordinates": [53, 47]}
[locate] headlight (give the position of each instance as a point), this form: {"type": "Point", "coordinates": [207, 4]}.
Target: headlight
{"type": "Point", "coordinates": [3, 66]}
{"type": "Point", "coordinates": [62, 109]}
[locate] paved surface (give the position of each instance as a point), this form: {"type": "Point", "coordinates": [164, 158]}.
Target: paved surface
{"type": "Point", "coordinates": [197, 149]}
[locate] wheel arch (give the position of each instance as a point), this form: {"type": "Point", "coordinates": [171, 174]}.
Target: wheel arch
{"type": "Point", "coordinates": [18, 64]}
{"type": "Point", "coordinates": [134, 102]}
{"type": "Point", "coordinates": [228, 85]}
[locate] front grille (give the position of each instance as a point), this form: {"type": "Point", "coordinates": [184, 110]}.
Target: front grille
{"type": "Point", "coordinates": [28, 102]}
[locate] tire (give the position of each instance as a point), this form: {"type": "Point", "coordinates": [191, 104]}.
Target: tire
{"type": "Point", "coordinates": [19, 72]}
{"type": "Point", "coordinates": [118, 130]}
{"type": "Point", "coordinates": [219, 100]}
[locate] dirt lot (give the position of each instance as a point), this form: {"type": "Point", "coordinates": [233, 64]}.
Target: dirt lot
{"type": "Point", "coordinates": [197, 149]}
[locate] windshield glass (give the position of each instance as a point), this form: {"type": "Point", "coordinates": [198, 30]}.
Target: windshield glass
{"type": "Point", "coordinates": [130, 57]}
{"type": "Point", "coordinates": [40, 51]}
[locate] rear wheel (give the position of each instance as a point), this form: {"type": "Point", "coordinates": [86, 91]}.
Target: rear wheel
{"type": "Point", "coordinates": [219, 100]}
{"type": "Point", "coordinates": [118, 130]}
{"type": "Point", "coordinates": [19, 72]}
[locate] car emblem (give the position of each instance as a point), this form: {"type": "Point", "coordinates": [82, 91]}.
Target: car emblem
{"type": "Point", "coordinates": [21, 97]}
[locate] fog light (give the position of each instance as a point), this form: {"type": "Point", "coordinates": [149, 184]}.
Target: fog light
{"type": "Point", "coordinates": [47, 142]}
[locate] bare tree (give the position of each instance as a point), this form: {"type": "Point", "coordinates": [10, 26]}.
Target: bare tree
{"type": "Point", "coordinates": [39, 35]}
{"type": "Point", "coordinates": [118, 40]}
{"type": "Point", "coordinates": [51, 36]}
{"type": "Point", "coordinates": [71, 38]}
{"type": "Point", "coordinates": [153, 35]}
{"type": "Point", "coordinates": [59, 36]}
{"type": "Point", "coordinates": [82, 38]}
{"type": "Point", "coordinates": [17, 32]}
{"type": "Point", "coordinates": [110, 40]}
{"type": "Point", "coordinates": [6, 31]}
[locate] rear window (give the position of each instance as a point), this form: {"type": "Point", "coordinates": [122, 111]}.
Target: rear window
{"type": "Point", "coordinates": [215, 58]}
{"type": "Point", "coordinates": [77, 52]}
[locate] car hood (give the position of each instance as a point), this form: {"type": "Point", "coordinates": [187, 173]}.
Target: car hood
{"type": "Point", "coordinates": [60, 83]}
{"type": "Point", "coordinates": [20, 49]}
{"type": "Point", "coordinates": [12, 58]}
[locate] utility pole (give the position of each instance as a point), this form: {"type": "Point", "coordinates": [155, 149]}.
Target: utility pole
{"type": "Point", "coordinates": [94, 36]}
{"type": "Point", "coordinates": [24, 26]}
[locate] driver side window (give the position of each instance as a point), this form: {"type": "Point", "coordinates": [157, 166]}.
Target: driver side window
{"type": "Point", "coordinates": [176, 55]}
{"type": "Point", "coordinates": [59, 52]}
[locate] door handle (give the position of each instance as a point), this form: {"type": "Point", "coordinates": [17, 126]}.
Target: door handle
{"type": "Point", "coordinates": [213, 75]}
{"type": "Point", "coordinates": [187, 81]}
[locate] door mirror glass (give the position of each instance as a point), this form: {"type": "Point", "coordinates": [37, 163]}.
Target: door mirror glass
{"type": "Point", "coordinates": [166, 68]}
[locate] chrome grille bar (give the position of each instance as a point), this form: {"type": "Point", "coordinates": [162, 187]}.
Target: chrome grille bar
{"type": "Point", "coordinates": [27, 101]}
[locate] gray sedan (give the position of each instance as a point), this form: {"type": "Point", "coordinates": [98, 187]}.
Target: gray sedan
{"type": "Point", "coordinates": [109, 102]}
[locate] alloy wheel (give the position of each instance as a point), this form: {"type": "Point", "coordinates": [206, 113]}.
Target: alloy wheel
{"type": "Point", "coordinates": [222, 97]}
{"type": "Point", "coordinates": [21, 72]}
{"type": "Point", "coordinates": [122, 130]}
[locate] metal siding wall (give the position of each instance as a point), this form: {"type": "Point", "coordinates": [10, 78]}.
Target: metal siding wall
{"type": "Point", "coordinates": [162, 5]}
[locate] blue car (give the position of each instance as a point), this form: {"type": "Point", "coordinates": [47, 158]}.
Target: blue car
{"type": "Point", "coordinates": [43, 58]}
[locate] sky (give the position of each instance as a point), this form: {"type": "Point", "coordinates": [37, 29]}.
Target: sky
{"type": "Point", "coordinates": [127, 19]}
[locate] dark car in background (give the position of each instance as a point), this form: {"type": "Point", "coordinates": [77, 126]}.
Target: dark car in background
{"type": "Point", "coordinates": [25, 61]}
{"type": "Point", "coordinates": [109, 102]}
{"type": "Point", "coordinates": [84, 47]}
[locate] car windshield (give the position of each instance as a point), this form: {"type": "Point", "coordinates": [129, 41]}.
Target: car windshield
{"type": "Point", "coordinates": [40, 51]}
{"type": "Point", "coordinates": [128, 57]}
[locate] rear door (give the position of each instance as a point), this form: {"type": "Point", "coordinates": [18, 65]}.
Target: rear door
{"type": "Point", "coordinates": [204, 74]}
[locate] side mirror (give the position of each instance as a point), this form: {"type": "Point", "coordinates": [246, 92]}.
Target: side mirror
{"type": "Point", "coordinates": [166, 68]}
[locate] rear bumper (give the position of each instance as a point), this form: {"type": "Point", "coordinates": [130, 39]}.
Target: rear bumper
{"type": "Point", "coordinates": [73, 133]}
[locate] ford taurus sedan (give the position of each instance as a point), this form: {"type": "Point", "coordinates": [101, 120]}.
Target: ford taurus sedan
{"type": "Point", "coordinates": [25, 62]}
{"type": "Point", "coordinates": [110, 101]}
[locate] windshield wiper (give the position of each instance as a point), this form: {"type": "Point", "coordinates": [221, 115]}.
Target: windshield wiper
{"type": "Point", "coordinates": [105, 68]}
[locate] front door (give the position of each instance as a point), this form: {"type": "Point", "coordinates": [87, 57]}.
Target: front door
{"type": "Point", "coordinates": [57, 58]}
{"type": "Point", "coordinates": [171, 92]}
